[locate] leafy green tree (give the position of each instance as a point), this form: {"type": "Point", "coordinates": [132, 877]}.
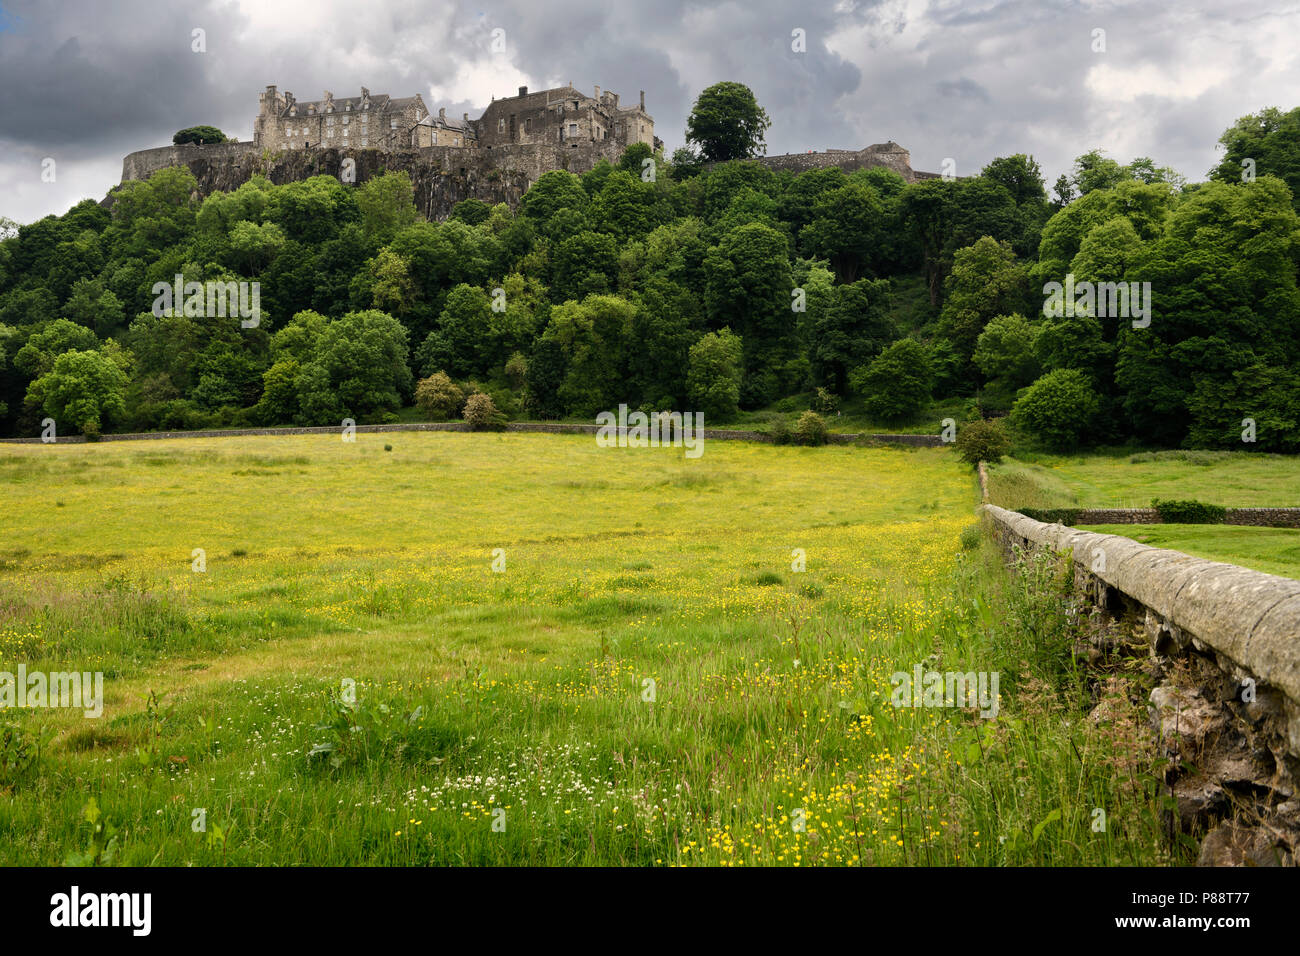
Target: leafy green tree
{"type": "Point", "coordinates": [895, 387]}
{"type": "Point", "coordinates": [1266, 143]}
{"type": "Point", "coordinates": [461, 341]}
{"type": "Point", "coordinates": [83, 389]}
{"type": "Point", "coordinates": [853, 327]}
{"type": "Point", "coordinates": [199, 134]}
{"type": "Point", "coordinates": [592, 336]}
{"type": "Point", "coordinates": [386, 204]}
{"type": "Point", "coordinates": [551, 193]}
{"type": "Point", "coordinates": [846, 229]}
{"type": "Point", "coordinates": [713, 375]}
{"type": "Point", "coordinates": [748, 289]}
{"type": "Point", "coordinates": [38, 355]}
{"type": "Point", "coordinates": [1004, 353]}
{"type": "Point", "coordinates": [357, 369]}
{"type": "Point", "coordinates": [727, 123]}
{"type": "Point", "coordinates": [1059, 409]}
{"type": "Point", "coordinates": [471, 211]}
{"type": "Point", "coordinates": [986, 281]}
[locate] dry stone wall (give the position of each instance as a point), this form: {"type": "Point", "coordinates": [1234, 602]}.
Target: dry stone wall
{"type": "Point", "coordinates": [1237, 631]}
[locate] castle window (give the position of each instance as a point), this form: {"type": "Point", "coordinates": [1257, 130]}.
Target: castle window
{"type": "Point", "coordinates": [364, 118]}
{"type": "Point", "coordinates": [329, 121]}
{"type": "Point", "coordinates": [392, 123]}
{"type": "Point", "coordinates": [304, 131]}
{"type": "Point", "coordinates": [365, 141]}
{"type": "Point", "coordinates": [329, 132]}
{"type": "Point", "coordinates": [501, 125]}
{"type": "Point", "coordinates": [573, 129]}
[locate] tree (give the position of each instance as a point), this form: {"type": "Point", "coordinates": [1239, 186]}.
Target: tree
{"type": "Point", "coordinates": [713, 375]}
{"type": "Point", "coordinates": [199, 134]}
{"type": "Point", "coordinates": [1266, 143]}
{"type": "Point", "coordinates": [986, 281]}
{"type": "Point", "coordinates": [83, 389]}
{"type": "Point", "coordinates": [895, 387]}
{"type": "Point", "coordinates": [1004, 352]}
{"type": "Point", "coordinates": [849, 330]}
{"type": "Point", "coordinates": [727, 123]}
{"type": "Point", "coordinates": [846, 228]}
{"type": "Point", "coordinates": [481, 413]}
{"type": "Point", "coordinates": [1060, 409]}
{"type": "Point", "coordinates": [387, 205]}
{"type": "Point", "coordinates": [357, 369]}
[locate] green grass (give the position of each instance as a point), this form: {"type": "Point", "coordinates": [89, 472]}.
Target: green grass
{"type": "Point", "coordinates": [1128, 480]}
{"type": "Point", "coordinates": [1272, 550]}
{"type": "Point", "coordinates": [650, 680]}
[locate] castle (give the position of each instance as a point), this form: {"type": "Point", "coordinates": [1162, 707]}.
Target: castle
{"type": "Point", "coordinates": [494, 158]}
{"type": "Point", "coordinates": [562, 117]}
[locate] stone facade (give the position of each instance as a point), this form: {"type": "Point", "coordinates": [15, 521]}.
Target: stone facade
{"type": "Point", "coordinates": [363, 122]}
{"type": "Point", "coordinates": [566, 118]}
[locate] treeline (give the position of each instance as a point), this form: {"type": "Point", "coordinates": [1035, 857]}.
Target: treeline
{"type": "Point", "coordinates": [677, 287]}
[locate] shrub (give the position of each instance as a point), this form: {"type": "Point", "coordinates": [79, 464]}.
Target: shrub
{"type": "Point", "coordinates": [439, 397]}
{"type": "Point", "coordinates": [713, 375]}
{"type": "Point", "coordinates": [825, 402]}
{"type": "Point", "coordinates": [810, 429]}
{"type": "Point", "coordinates": [970, 537]}
{"type": "Point", "coordinates": [481, 414]}
{"type": "Point", "coordinates": [983, 441]}
{"type": "Point", "coordinates": [1059, 409]}
{"type": "Point", "coordinates": [1189, 512]}
{"type": "Point", "coordinates": [780, 432]}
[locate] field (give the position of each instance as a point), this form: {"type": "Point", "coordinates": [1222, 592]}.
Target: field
{"type": "Point", "coordinates": [1230, 479]}
{"type": "Point", "coordinates": [525, 649]}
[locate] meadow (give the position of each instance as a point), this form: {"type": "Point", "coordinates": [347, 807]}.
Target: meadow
{"type": "Point", "coordinates": [453, 648]}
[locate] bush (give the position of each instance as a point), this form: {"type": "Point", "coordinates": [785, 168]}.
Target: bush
{"type": "Point", "coordinates": [810, 429]}
{"type": "Point", "coordinates": [1189, 512]}
{"type": "Point", "coordinates": [439, 397]}
{"type": "Point", "coordinates": [780, 432]}
{"type": "Point", "coordinates": [1059, 409]}
{"type": "Point", "coordinates": [983, 441]}
{"type": "Point", "coordinates": [481, 414]}
{"type": "Point", "coordinates": [970, 537]}
{"type": "Point", "coordinates": [825, 402]}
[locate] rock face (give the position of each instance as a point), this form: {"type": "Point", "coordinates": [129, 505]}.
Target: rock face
{"type": "Point", "coordinates": [445, 175]}
{"type": "Point", "coordinates": [442, 175]}
{"type": "Point", "coordinates": [1225, 642]}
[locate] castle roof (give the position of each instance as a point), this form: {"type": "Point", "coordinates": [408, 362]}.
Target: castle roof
{"type": "Point", "coordinates": [378, 102]}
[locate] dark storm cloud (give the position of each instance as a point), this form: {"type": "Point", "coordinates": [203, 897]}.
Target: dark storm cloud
{"type": "Point", "coordinates": [86, 80]}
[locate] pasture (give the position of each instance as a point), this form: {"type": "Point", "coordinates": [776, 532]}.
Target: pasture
{"type": "Point", "coordinates": [526, 649]}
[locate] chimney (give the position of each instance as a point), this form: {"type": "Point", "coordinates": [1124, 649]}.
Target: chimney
{"type": "Point", "coordinates": [615, 95]}
{"type": "Point", "coordinates": [643, 101]}
{"type": "Point", "coordinates": [598, 94]}
{"type": "Point", "coordinates": [465, 117]}
{"type": "Point", "coordinates": [523, 91]}
{"type": "Point", "coordinates": [442, 114]}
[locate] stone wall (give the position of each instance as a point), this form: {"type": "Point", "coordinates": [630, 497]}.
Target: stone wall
{"type": "Point", "coordinates": [1237, 633]}
{"type": "Point", "coordinates": [710, 434]}
{"type": "Point", "coordinates": [1256, 517]}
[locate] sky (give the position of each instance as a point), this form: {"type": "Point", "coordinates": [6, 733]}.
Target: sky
{"type": "Point", "coordinates": [86, 81]}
